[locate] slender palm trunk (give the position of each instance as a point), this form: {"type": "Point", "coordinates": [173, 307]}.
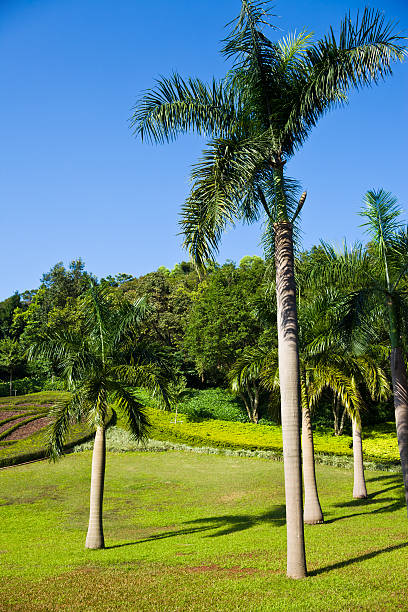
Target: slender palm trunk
{"type": "Point", "coordinates": [290, 397]}
{"type": "Point", "coordinates": [11, 381]}
{"type": "Point", "coordinates": [94, 538]}
{"type": "Point", "coordinates": [359, 488]}
{"type": "Point", "coordinates": [400, 389]}
{"type": "Point", "coordinates": [312, 513]}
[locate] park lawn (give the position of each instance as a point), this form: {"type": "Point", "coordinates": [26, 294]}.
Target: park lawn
{"type": "Point", "coordinates": [186, 531]}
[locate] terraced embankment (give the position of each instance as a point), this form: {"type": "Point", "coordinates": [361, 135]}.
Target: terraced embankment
{"type": "Point", "coordinates": [23, 427]}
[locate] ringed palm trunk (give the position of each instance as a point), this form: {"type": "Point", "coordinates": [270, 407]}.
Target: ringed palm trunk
{"type": "Point", "coordinates": [359, 488]}
{"type": "Point", "coordinates": [94, 538]}
{"type": "Point", "coordinates": [312, 513]}
{"type": "Point", "coordinates": [290, 397]}
{"type": "Point", "coordinates": [400, 390]}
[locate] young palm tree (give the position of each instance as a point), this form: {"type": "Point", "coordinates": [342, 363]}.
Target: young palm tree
{"type": "Point", "coordinates": [333, 362]}
{"type": "Point", "coordinates": [103, 365]}
{"type": "Point", "coordinates": [378, 277]}
{"type": "Point", "coordinates": [257, 117]}
{"type": "Point", "coordinates": [382, 293]}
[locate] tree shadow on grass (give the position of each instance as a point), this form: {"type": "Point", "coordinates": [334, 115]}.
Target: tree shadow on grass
{"type": "Point", "coordinates": [226, 525]}
{"type": "Point", "coordinates": [359, 559]}
{"type": "Point", "coordinates": [391, 477]}
{"type": "Point", "coordinates": [374, 499]}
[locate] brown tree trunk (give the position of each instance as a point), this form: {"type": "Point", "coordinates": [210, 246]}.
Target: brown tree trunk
{"type": "Point", "coordinates": [400, 389]}
{"type": "Point", "coordinates": [312, 512]}
{"type": "Point", "coordinates": [290, 397]}
{"type": "Point", "coordinates": [255, 413]}
{"type": "Point", "coordinates": [94, 538]}
{"type": "Point", "coordinates": [359, 488]}
{"type": "Point", "coordinates": [343, 416]}
{"type": "Point", "coordinates": [246, 406]}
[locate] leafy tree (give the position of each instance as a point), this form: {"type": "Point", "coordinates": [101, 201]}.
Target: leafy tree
{"type": "Point", "coordinates": [222, 320]}
{"type": "Point", "coordinates": [257, 117]}
{"type": "Point", "coordinates": [103, 363]}
{"type": "Point", "coordinates": [7, 308]}
{"type": "Point", "coordinates": [62, 284]}
{"type": "Point", "coordinates": [11, 356]}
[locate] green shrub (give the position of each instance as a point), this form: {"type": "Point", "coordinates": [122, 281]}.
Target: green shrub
{"type": "Point", "coordinates": [213, 404]}
{"type": "Point", "coordinates": [22, 386]}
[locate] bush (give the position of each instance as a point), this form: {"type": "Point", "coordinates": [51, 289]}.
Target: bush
{"type": "Point", "coordinates": [218, 404]}
{"type": "Point", "coordinates": [22, 386]}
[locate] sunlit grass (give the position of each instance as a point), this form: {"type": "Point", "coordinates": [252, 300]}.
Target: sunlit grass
{"type": "Point", "coordinates": [187, 531]}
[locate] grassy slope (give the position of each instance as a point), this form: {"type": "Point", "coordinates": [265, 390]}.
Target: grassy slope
{"type": "Point", "coordinates": [379, 442]}
{"type": "Point", "coordinates": [195, 532]}
{"type": "Point", "coordinates": [34, 447]}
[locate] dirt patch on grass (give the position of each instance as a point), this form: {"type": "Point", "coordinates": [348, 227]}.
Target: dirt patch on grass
{"type": "Point", "coordinates": [30, 405]}
{"type": "Point", "coordinates": [5, 414]}
{"type": "Point", "coordinates": [236, 571]}
{"type": "Point", "coordinates": [10, 424]}
{"type": "Point", "coordinates": [29, 429]}
{"type": "Point", "coordinates": [232, 497]}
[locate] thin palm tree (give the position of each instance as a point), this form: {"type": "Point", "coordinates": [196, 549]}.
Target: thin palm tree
{"type": "Point", "coordinates": [383, 294]}
{"type": "Point", "coordinates": [257, 117]}
{"type": "Point", "coordinates": [103, 365]}
{"type": "Point", "coordinates": [331, 361]}
{"type": "Point", "coordinates": [377, 295]}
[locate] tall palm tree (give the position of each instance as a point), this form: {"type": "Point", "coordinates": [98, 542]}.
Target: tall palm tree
{"type": "Point", "coordinates": [382, 222]}
{"type": "Point", "coordinates": [382, 294]}
{"type": "Point", "coordinates": [333, 362]}
{"type": "Point", "coordinates": [103, 365]}
{"type": "Point", "coordinates": [257, 117]}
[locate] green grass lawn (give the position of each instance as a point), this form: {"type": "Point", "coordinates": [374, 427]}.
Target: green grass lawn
{"type": "Point", "coordinates": [186, 531]}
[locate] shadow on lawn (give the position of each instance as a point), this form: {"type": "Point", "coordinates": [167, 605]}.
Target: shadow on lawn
{"type": "Point", "coordinates": [396, 503]}
{"type": "Point", "coordinates": [226, 525]}
{"type": "Point", "coordinates": [358, 559]}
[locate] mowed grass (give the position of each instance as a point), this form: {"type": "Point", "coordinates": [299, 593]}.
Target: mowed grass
{"type": "Point", "coordinates": [195, 532]}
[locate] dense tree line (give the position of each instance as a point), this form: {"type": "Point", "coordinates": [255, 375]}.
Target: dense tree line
{"type": "Point", "coordinates": [217, 328]}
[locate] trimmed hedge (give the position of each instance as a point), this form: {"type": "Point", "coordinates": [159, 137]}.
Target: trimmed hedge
{"type": "Point", "coordinates": [379, 442]}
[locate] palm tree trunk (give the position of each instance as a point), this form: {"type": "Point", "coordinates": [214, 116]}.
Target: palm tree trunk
{"type": "Point", "coordinates": [94, 538]}
{"type": "Point", "coordinates": [255, 414]}
{"type": "Point", "coordinates": [400, 389]}
{"type": "Point", "coordinates": [290, 397]}
{"type": "Point", "coordinates": [359, 488]}
{"type": "Point", "coordinates": [312, 513]}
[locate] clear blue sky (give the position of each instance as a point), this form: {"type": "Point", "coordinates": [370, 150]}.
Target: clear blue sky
{"type": "Point", "coordinates": [73, 180]}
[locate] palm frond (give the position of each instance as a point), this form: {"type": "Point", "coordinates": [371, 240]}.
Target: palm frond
{"type": "Point", "coordinates": [362, 55]}
{"type": "Point", "coordinates": [223, 181]}
{"type": "Point", "coordinates": [175, 106]}
{"type": "Point", "coordinates": [126, 401]}
{"type": "Point", "coordinates": [246, 31]}
{"type": "Point", "coordinates": [149, 376]}
{"type": "Point", "coordinates": [382, 212]}
{"type": "Point", "coordinates": [62, 413]}
{"type": "Point", "coordinates": [327, 376]}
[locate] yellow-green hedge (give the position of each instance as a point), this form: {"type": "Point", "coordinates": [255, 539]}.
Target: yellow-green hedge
{"type": "Point", "coordinates": [379, 443]}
